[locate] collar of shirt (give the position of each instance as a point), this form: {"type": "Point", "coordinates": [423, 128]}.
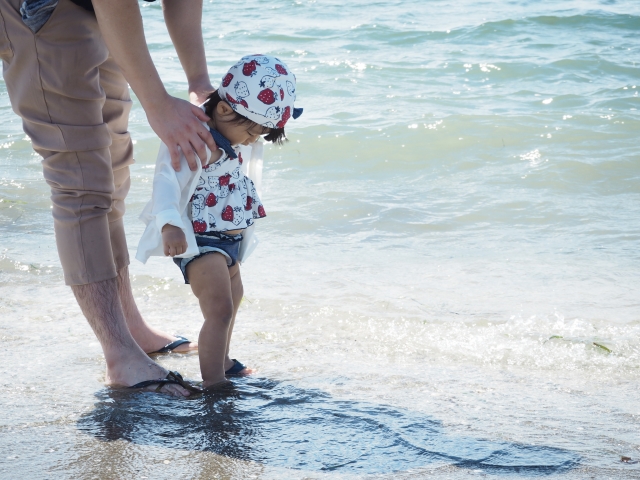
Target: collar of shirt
{"type": "Point", "coordinates": [223, 143]}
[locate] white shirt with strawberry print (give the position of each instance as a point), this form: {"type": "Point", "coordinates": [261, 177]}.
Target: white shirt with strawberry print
{"type": "Point", "coordinates": [172, 194]}
{"type": "Point", "coordinates": [225, 198]}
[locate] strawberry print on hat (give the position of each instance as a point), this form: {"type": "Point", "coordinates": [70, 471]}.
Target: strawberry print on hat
{"type": "Point", "coordinates": [261, 88]}
{"type": "Point", "coordinates": [226, 81]}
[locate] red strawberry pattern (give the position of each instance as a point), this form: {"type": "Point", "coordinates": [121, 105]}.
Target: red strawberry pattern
{"type": "Point", "coordinates": [267, 96]}
{"type": "Point", "coordinates": [199, 226]}
{"type": "Point", "coordinates": [226, 81]}
{"type": "Point", "coordinates": [237, 102]}
{"type": "Point", "coordinates": [249, 69]}
{"type": "Point", "coordinates": [224, 180]}
{"type": "Point", "coordinates": [261, 88]}
{"type": "Point", "coordinates": [227, 198]}
{"type": "Point", "coordinates": [285, 116]}
{"type": "Point", "coordinates": [227, 214]}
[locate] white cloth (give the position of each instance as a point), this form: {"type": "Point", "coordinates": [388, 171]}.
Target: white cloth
{"type": "Point", "coordinates": [169, 202]}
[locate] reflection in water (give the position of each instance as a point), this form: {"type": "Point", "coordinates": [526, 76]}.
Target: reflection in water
{"type": "Point", "coordinates": [280, 425]}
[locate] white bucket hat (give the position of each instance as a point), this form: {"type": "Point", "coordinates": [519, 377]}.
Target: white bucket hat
{"type": "Point", "coordinates": [262, 89]}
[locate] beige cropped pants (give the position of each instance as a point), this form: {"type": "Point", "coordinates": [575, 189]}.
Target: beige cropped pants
{"type": "Point", "coordinates": [74, 103]}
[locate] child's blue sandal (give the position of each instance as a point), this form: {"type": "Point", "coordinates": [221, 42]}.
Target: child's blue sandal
{"type": "Point", "coordinates": [236, 369]}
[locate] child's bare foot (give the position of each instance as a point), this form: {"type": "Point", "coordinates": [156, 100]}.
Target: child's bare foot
{"type": "Point", "coordinates": [233, 368]}
{"type": "Point", "coordinates": [217, 386]}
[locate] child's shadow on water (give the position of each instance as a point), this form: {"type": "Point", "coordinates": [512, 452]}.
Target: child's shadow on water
{"type": "Point", "coordinates": [280, 425]}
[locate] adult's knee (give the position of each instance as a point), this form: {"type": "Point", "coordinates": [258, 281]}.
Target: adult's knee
{"type": "Point", "coordinates": [81, 182]}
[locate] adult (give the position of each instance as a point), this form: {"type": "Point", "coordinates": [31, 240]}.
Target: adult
{"type": "Point", "coordinates": [66, 68]}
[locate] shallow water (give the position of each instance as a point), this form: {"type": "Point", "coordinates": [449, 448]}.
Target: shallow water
{"type": "Point", "coordinates": [447, 280]}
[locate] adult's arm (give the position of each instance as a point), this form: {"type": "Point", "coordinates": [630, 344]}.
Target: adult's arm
{"type": "Point", "coordinates": [175, 121]}
{"type": "Point", "coordinates": [184, 22]}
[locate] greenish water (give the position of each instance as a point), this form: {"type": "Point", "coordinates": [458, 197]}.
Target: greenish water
{"type": "Point", "coordinates": [452, 231]}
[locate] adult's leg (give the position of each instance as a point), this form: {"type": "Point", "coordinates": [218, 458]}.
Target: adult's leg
{"type": "Point", "coordinates": [210, 282]}
{"type": "Point", "coordinates": [53, 82]}
{"type": "Point", "coordinates": [127, 364]}
{"type": "Point", "coordinates": [149, 338]}
{"type": "Point", "coordinates": [115, 113]}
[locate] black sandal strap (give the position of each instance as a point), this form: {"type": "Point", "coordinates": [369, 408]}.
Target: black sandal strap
{"type": "Point", "coordinates": [176, 377]}
{"type": "Point", "coordinates": [171, 378]}
{"type": "Point", "coordinates": [160, 383]}
{"type": "Point", "coordinates": [170, 346]}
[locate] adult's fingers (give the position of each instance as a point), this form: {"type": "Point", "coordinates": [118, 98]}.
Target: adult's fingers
{"type": "Point", "coordinates": [199, 113]}
{"type": "Point", "coordinates": [204, 133]}
{"type": "Point", "coordinates": [175, 156]}
{"type": "Point", "coordinates": [190, 155]}
{"type": "Point", "coordinates": [200, 147]}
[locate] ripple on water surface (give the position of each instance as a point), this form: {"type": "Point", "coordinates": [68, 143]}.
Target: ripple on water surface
{"type": "Point", "coordinates": [281, 425]}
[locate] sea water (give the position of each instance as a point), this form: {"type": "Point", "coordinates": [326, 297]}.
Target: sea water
{"type": "Point", "coordinates": [447, 282]}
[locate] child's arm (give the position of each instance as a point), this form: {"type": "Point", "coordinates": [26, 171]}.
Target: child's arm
{"type": "Point", "coordinates": [168, 206]}
{"type": "Point", "coordinates": [174, 241]}
{"type": "Point", "coordinates": [171, 193]}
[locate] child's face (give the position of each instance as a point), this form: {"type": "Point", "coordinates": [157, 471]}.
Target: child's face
{"type": "Point", "coordinates": [237, 134]}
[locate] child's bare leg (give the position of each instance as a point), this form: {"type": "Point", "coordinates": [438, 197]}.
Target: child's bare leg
{"type": "Point", "coordinates": [149, 338]}
{"type": "Point", "coordinates": [211, 284]}
{"type": "Point", "coordinates": [237, 291]}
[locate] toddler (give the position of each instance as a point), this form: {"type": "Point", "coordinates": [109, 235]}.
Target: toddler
{"type": "Point", "coordinates": [205, 219]}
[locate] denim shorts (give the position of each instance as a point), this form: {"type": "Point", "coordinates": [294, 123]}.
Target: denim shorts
{"type": "Point", "coordinates": [212, 242]}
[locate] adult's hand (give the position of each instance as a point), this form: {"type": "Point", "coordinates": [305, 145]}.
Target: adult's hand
{"type": "Point", "coordinates": [178, 124]}
{"type": "Point", "coordinates": [175, 121]}
{"type": "Point", "coordinates": [199, 96]}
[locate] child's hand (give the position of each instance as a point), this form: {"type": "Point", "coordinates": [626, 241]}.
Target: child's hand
{"type": "Point", "coordinates": [173, 240]}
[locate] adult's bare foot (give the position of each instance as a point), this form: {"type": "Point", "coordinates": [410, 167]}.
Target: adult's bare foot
{"type": "Point", "coordinates": [133, 372]}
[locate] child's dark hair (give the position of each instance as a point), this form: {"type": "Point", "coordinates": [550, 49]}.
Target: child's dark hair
{"type": "Point", "coordinates": [275, 135]}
